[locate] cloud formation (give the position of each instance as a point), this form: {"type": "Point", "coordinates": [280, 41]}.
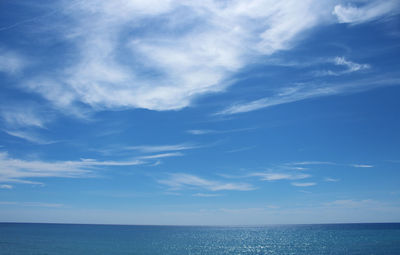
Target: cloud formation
{"type": "Point", "coordinates": [280, 176]}
{"type": "Point", "coordinates": [303, 184]}
{"type": "Point", "coordinates": [212, 131]}
{"type": "Point", "coordinates": [193, 48]}
{"type": "Point", "coordinates": [307, 91]}
{"type": "Point", "coordinates": [21, 171]}
{"type": "Point", "coordinates": [162, 155]}
{"type": "Point", "coordinates": [181, 181]}
{"type": "Point", "coordinates": [349, 66]}
{"type": "Point", "coordinates": [26, 115]}
{"type": "Point", "coordinates": [161, 148]}
{"type": "Point", "coordinates": [367, 12]}
{"type": "Point", "coordinates": [362, 165]}
{"type": "Point", "coordinates": [11, 62]}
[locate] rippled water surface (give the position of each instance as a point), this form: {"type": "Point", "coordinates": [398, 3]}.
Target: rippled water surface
{"type": "Point", "coordinates": [18, 238]}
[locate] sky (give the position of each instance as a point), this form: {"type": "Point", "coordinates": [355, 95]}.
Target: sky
{"type": "Point", "coordinates": [215, 112]}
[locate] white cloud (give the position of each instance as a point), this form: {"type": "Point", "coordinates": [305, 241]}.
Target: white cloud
{"type": "Point", "coordinates": [161, 148]}
{"type": "Point", "coordinates": [211, 131]}
{"type": "Point", "coordinates": [201, 131]}
{"type": "Point", "coordinates": [11, 62]}
{"type": "Point", "coordinates": [27, 115]}
{"type": "Point", "coordinates": [303, 92]}
{"type": "Point", "coordinates": [303, 184]}
{"type": "Point", "coordinates": [6, 186]}
{"type": "Point", "coordinates": [18, 170]}
{"type": "Point", "coordinates": [31, 137]}
{"type": "Point", "coordinates": [297, 94]}
{"type": "Point", "coordinates": [162, 155]}
{"type": "Point", "coordinates": [362, 165]}
{"type": "Point", "coordinates": [180, 181]}
{"type": "Point", "coordinates": [368, 12]}
{"type": "Point", "coordinates": [280, 176]}
{"type": "Point", "coordinates": [350, 67]}
{"type": "Point", "coordinates": [313, 163]}
{"type": "Point", "coordinates": [329, 179]}
{"type": "Point", "coordinates": [192, 48]}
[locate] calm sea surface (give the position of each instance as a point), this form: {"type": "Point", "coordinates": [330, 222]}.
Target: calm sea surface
{"type": "Point", "coordinates": [21, 238]}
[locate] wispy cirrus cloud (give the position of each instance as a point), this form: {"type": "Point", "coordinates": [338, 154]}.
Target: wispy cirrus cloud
{"type": "Point", "coordinates": [161, 148]}
{"type": "Point", "coordinates": [350, 67]}
{"type": "Point", "coordinates": [303, 184]}
{"type": "Point", "coordinates": [194, 49]}
{"type": "Point", "coordinates": [302, 92]}
{"type": "Point", "coordinates": [329, 179]}
{"type": "Point", "coordinates": [366, 12]}
{"type": "Point", "coordinates": [213, 131]}
{"type": "Point", "coordinates": [11, 62]}
{"type": "Point", "coordinates": [162, 155]}
{"type": "Point", "coordinates": [28, 115]}
{"type": "Point", "coordinates": [362, 165]}
{"type": "Point", "coordinates": [22, 171]}
{"type": "Point", "coordinates": [29, 136]}
{"type": "Point", "coordinates": [280, 176]}
{"type": "Point", "coordinates": [179, 181]}
{"type": "Point", "coordinates": [24, 120]}
{"type": "Point", "coordinates": [6, 186]}
{"type": "Point", "coordinates": [313, 163]}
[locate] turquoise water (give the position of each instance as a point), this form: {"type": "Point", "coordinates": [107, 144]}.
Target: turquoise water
{"type": "Point", "coordinates": [21, 238]}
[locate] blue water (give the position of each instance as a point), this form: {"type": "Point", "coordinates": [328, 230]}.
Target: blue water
{"type": "Point", "coordinates": [21, 238]}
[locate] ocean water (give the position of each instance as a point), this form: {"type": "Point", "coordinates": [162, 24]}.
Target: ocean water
{"type": "Point", "coordinates": [363, 239]}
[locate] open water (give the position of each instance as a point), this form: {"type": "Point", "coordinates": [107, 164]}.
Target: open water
{"type": "Point", "coordinates": [363, 239]}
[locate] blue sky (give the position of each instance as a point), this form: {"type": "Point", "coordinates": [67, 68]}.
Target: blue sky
{"type": "Point", "coordinates": [210, 112]}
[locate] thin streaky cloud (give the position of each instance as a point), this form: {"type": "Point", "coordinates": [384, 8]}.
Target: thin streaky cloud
{"type": "Point", "coordinates": [211, 131]}
{"type": "Point", "coordinates": [362, 165]}
{"type": "Point", "coordinates": [301, 92]}
{"type": "Point", "coordinates": [11, 62]}
{"type": "Point", "coordinates": [279, 176]}
{"type": "Point", "coordinates": [28, 136]}
{"type": "Point", "coordinates": [329, 179]}
{"type": "Point", "coordinates": [350, 67]}
{"type": "Point", "coordinates": [313, 163]}
{"type": "Point", "coordinates": [19, 170]}
{"type": "Point", "coordinates": [162, 155]}
{"type": "Point", "coordinates": [6, 186]}
{"type": "Point", "coordinates": [303, 184]}
{"type": "Point", "coordinates": [157, 163]}
{"type": "Point", "coordinates": [161, 148]}
{"type": "Point", "coordinates": [201, 131]}
{"type": "Point", "coordinates": [373, 10]}
{"type": "Point", "coordinates": [28, 115]}
{"type": "Point", "coordinates": [38, 17]}
{"type": "Point", "coordinates": [180, 181]}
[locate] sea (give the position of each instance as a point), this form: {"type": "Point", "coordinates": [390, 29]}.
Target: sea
{"type": "Point", "coordinates": [37, 238]}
